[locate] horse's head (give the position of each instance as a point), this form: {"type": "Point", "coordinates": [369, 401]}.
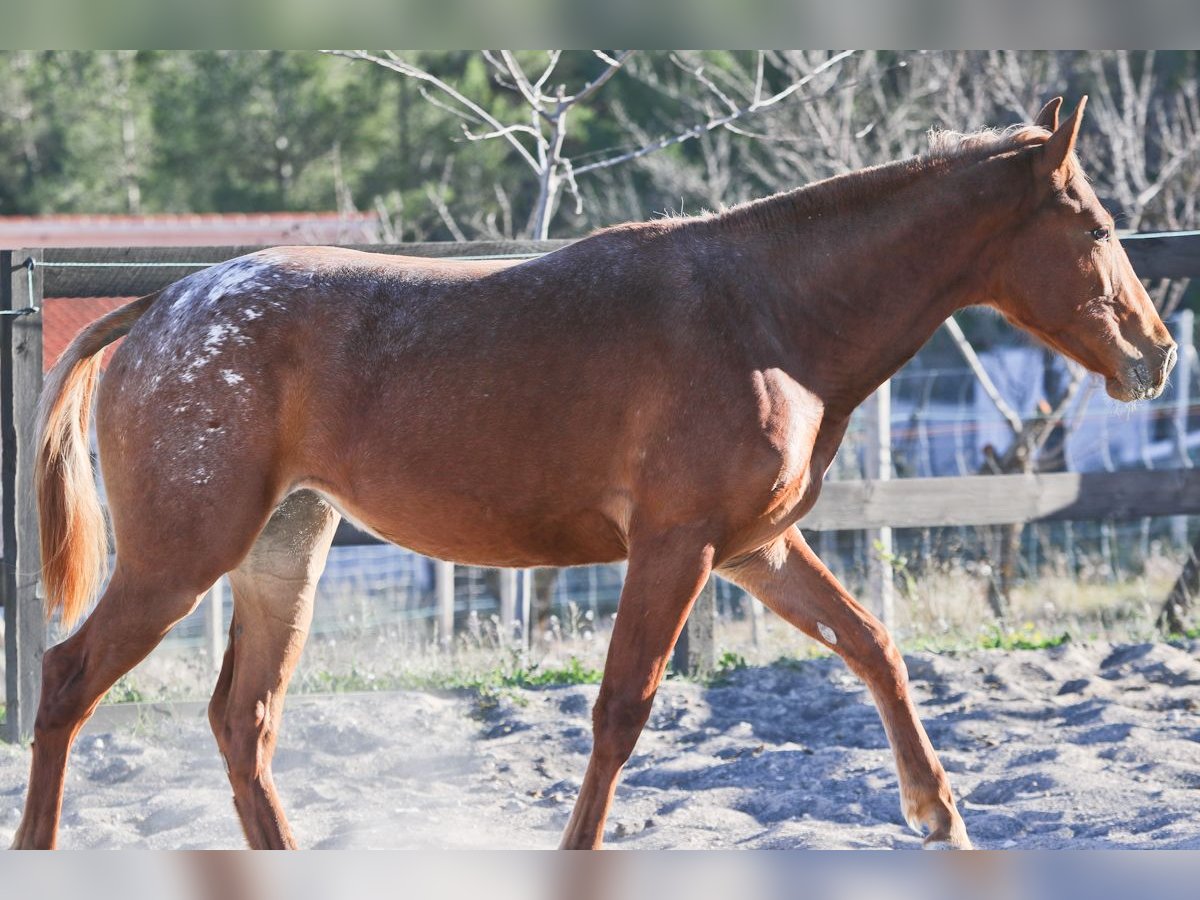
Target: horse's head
{"type": "Point", "coordinates": [1067, 280]}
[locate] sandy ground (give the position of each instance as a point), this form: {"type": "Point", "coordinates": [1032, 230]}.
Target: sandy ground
{"type": "Point", "coordinates": [1079, 746]}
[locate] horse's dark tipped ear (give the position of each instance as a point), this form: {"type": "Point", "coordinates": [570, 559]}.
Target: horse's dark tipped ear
{"type": "Point", "coordinates": [1055, 154]}
{"type": "Point", "coordinates": [1048, 117]}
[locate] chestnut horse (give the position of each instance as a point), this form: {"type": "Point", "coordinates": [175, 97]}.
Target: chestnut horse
{"type": "Point", "coordinates": [670, 393]}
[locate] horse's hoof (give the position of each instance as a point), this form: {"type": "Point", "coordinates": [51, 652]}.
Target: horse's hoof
{"type": "Point", "coordinates": [953, 838]}
{"type": "Point", "coordinates": [938, 820]}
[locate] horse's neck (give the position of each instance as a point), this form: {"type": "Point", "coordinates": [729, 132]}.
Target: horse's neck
{"type": "Point", "coordinates": [860, 282]}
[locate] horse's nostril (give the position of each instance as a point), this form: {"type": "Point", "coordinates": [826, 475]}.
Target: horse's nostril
{"type": "Point", "coordinates": [1171, 358]}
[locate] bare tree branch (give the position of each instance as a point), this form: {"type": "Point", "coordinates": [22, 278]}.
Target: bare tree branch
{"type": "Point", "coordinates": [555, 55]}
{"type": "Point", "coordinates": [614, 66]}
{"type": "Point", "coordinates": [396, 64]}
{"type": "Point", "coordinates": [985, 380]}
{"type": "Point", "coordinates": [719, 122]}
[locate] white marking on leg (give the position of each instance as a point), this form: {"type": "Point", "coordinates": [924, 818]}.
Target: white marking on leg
{"type": "Point", "coordinates": [827, 634]}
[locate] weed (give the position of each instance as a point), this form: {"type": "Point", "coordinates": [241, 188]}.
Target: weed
{"type": "Point", "coordinates": [728, 663]}
{"type": "Point", "coordinates": [124, 691]}
{"type": "Point", "coordinates": [574, 672]}
{"type": "Point", "coordinates": [1028, 637]}
{"type": "Point", "coordinates": [514, 672]}
{"type": "Point", "coordinates": [900, 568]}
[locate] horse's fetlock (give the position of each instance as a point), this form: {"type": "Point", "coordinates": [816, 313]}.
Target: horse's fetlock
{"type": "Point", "coordinates": [243, 758]}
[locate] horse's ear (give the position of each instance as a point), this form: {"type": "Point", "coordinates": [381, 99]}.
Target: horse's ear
{"type": "Point", "coordinates": [1048, 117]}
{"type": "Point", "coordinates": [1055, 153]}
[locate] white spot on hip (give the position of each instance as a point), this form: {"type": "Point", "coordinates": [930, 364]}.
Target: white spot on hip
{"type": "Point", "coordinates": [827, 633]}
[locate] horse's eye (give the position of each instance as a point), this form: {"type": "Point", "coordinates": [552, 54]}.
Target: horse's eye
{"type": "Point", "coordinates": [1101, 234]}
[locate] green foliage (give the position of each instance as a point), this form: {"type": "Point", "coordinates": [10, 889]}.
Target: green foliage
{"type": "Point", "coordinates": [899, 566]}
{"type": "Point", "coordinates": [574, 672]}
{"type": "Point", "coordinates": [324, 681]}
{"type": "Point", "coordinates": [516, 672]}
{"type": "Point", "coordinates": [248, 131]}
{"type": "Point", "coordinates": [203, 131]}
{"type": "Point", "coordinates": [1027, 637]}
{"type": "Point", "coordinates": [1188, 634]}
{"type": "Point", "coordinates": [124, 691]}
{"type": "Point", "coordinates": [728, 663]}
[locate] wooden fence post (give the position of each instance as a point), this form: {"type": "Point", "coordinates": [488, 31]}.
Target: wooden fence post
{"type": "Point", "coordinates": [758, 625]}
{"type": "Point", "coordinates": [696, 649]}
{"type": "Point", "coordinates": [881, 584]}
{"type": "Point", "coordinates": [20, 386]}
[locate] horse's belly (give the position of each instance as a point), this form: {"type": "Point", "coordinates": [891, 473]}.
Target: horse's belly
{"type": "Point", "coordinates": [480, 532]}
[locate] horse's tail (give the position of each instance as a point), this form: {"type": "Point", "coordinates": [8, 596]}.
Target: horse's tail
{"type": "Point", "coordinates": [74, 539]}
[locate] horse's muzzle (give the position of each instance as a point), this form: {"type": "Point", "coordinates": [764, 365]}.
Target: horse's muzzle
{"type": "Point", "coordinates": [1145, 378]}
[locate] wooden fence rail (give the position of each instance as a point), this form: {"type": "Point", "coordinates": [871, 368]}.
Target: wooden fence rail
{"type": "Point", "coordinates": [129, 272]}
{"type": "Point", "coordinates": [137, 271]}
{"type": "Point", "coordinates": [980, 500]}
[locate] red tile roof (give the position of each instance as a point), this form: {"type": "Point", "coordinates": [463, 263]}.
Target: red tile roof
{"type": "Point", "coordinates": [65, 317]}
{"type": "Point", "coordinates": [211, 229]}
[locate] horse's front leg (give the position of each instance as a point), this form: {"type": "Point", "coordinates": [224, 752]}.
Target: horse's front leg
{"type": "Point", "coordinates": [667, 569]}
{"type": "Point", "coordinates": [789, 578]}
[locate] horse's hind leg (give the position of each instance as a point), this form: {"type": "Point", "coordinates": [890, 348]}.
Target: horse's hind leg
{"type": "Point", "coordinates": [790, 579]}
{"type": "Point", "coordinates": [133, 615]}
{"type": "Point", "coordinates": [273, 594]}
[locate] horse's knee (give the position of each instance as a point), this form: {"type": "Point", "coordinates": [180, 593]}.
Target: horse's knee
{"type": "Point", "coordinates": [875, 658]}
{"type": "Point", "coordinates": [617, 721]}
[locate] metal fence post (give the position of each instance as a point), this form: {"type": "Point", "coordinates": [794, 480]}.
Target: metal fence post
{"type": "Point", "coordinates": [1184, 336]}
{"type": "Point", "coordinates": [508, 603]}
{"type": "Point", "coordinates": [443, 578]}
{"type": "Point", "coordinates": [21, 380]}
{"type": "Point", "coordinates": [696, 649]}
{"type": "Point", "coordinates": [525, 606]}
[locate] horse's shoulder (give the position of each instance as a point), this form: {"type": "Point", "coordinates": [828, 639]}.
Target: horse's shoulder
{"type": "Point", "coordinates": [789, 419]}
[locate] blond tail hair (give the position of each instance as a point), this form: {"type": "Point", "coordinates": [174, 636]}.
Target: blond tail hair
{"type": "Point", "coordinates": [74, 539]}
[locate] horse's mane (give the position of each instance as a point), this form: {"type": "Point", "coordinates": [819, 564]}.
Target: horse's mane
{"type": "Point", "coordinates": [947, 150]}
{"type": "Point", "coordinates": [952, 146]}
